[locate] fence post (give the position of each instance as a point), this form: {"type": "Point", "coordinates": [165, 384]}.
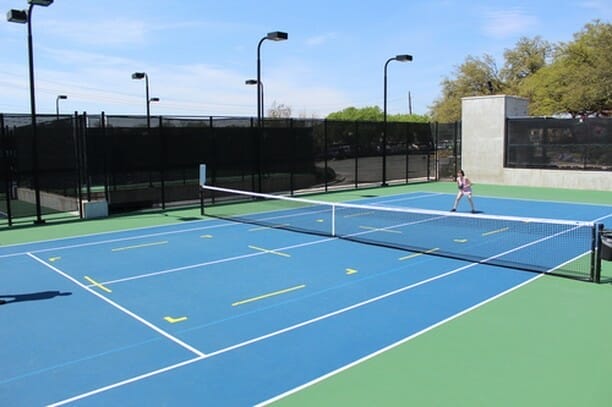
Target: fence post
{"type": "Point", "coordinates": [76, 130]}
{"type": "Point", "coordinates": [325, 153]}
{"type": "Point", "coordinates": [596, 266]}
{"type": "Point", "coordinates": [8, 168]}
{"type": "Point", "coordinates": [356, 144]}
{"type": "Point", "coordinates": [294, 158]}
{"type": "Point", "coordinates": [162, 162]}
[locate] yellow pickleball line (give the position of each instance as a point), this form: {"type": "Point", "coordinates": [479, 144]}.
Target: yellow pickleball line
{"type": "Point", "coordinates": [175, 320]}
{"type": "Point", "coordinates": [435, 249]}
{"type": "Point", "coordinates": [495, 231]}
{"type": "Point", "coordinates": [261, 297]}
{"type": "Point", "coordinates": [379, 229]}
{"type": "Point", "coordinates": [95, 283]}
{"type": "Point", "coordinates": [261, 249]}
{"type": "Point", "coordinates": [138, 246]}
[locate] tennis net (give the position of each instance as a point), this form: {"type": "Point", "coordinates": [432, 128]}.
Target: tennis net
{"type": "Point", "coordinates": [561, 247]}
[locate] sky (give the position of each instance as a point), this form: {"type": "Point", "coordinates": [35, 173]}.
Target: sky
{"type": "Point", "coordinates": [198, 53]}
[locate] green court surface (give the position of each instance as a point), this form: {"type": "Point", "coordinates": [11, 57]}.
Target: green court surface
{"type": "Point", "coordinates": [545, 343]}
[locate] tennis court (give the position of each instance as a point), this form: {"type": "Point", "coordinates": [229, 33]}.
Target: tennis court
{"type": "Point", "coordinates": [212, 311]}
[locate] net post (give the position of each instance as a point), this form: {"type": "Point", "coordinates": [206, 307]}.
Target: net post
{"type": "Point", "coordinates": [202, 179]}
{"type": "Point", "coordinates": [333, 221]}
{"type": "Point", "coordinates": [596, 269]}
{"type": "Point", "coordinates": [201, 201]}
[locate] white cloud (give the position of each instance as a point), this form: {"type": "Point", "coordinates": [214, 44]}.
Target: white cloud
{"type": "Point", "coordinates": [508, 23]}
{"type": "Point", "coordinates": [602, 8]}
{"type": "Point", "coordinates": [104, 32]}
{"type": "Point", "coordinates": [320, 39]}
{"type": "Point", "coordinates": [77, 58]}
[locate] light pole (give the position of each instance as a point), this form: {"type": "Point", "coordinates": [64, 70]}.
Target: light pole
{"type": "Point", "coordinates": [254, 82]}
{"type": "Point", "coordinates": [57, 99]}
{"type": "Point", "coordinates": [401, 58]}
{"type": "Point", "coordinates": [272, 36]}
{"type": "Point", "coordinates": [140, 75]}
{"type": "Point", "coordinates": [25, 17]}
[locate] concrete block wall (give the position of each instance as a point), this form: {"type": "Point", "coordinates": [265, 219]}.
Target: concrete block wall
{"type": "Point", "coordinates": [483, 121]}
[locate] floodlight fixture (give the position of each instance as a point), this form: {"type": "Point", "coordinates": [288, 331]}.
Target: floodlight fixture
{"type": "Point", "coordinates": [148, 100]}
{"type": "Point", "coordinates": [403, 58]}
{"type": "Point", "coordinates": [260, 91]}
{"type": "Point", "coordinates": [44, 3]}
{"type": "Point", "coordinates": [17, 16]}
{"type": "Point", "coordinates": [277, 36]}
{"type": "Point", "coordinates": [57, 99]}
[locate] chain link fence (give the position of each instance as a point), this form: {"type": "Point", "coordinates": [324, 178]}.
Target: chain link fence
{"type": "Point", "coordinates": [119, 159]}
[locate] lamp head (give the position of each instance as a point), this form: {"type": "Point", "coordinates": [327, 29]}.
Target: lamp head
{"type": "Point", "coordinates": [62, 97]}
{"type": "Point", "coordinates": [403, 58]}
{"type": "Point", "coordinates": [17, 16]}
{"type": "Point", "coordinates": [138, 75]}
{"type": "Point", "coordinates": [250, 82]}
{"type": "Point", "coordinates": [44, 3]}
{"type": "Point", "coordinates": [154, 100]}
{"type": "Point", "coordinates": [277, 36]}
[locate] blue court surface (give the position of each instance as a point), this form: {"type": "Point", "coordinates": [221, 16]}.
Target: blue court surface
{"type": "Point", "coordinates": [215, 312]}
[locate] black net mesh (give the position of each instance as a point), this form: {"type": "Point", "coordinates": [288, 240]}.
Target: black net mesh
{"type": "Point", "coordinates": [579, 144]}
{"type": "Point", "coordinates": [541, 245]}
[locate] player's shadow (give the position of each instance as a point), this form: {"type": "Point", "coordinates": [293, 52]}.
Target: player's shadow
{"type": "Point", "coordinates": [42, 295]}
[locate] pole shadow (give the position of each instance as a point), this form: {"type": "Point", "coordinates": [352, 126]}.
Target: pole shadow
{"type": "Point", "coordinates": [42, 295]}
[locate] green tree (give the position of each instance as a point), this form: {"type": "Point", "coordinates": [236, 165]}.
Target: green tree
{"type": "Point", "coordinates": [524, 60]}
{"type": "Point", "coordinates": [475, 77]}
{"type": "Point", "coordinates": [375, 114]}
{"type": "Point", "coordinates": [579, 80]}
{"type": "Point", "coordinates": [410, 118]}
{"type": "Point", "coordinates": [369, 113]}
{"type": "Point", "coordinates": [574, 78]}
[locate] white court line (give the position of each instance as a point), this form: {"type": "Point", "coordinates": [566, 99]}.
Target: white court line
{"type": "Point", "coordinates": [310, 322]}
{"type": "Point", "coordinates": [263, 337]}
{"type": "Point", "coordinates": [409, 198]}
{"type": "Point", "coordinates": [285, 248]}
{"type": "Point", "coordinates": [393, 345]}
{"type": "Point", "coordinates": [219, 261]}
{"type": "Point", "coordinates": [228, 224]}
{"type": "Point", "coordinates": [119, 307]}
{"type": "Point", "coordinates": [119, 239]}
{"type": "Point", "coordinates": [127, 381]}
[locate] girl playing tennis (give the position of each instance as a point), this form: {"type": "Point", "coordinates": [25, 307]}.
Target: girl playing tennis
{"type": "Point", "coordinates": [465, 188]}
